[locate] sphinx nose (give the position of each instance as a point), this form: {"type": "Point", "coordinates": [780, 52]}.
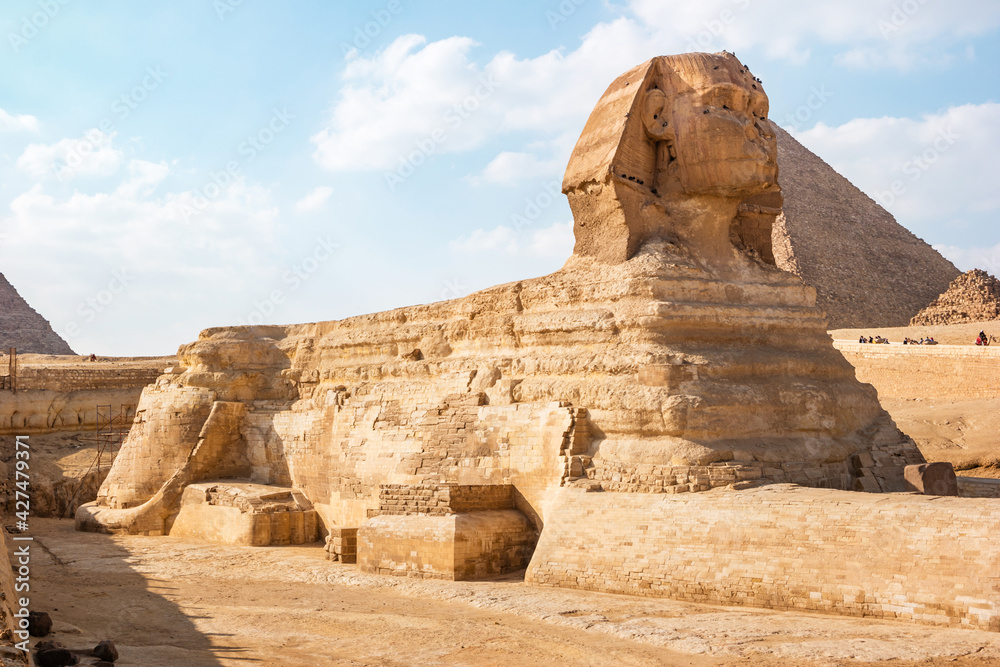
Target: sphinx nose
{"type": "Point", "coordinates": [759, 127]}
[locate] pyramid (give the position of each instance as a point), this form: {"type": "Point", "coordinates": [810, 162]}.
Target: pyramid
{"type": "Point", "coordinates": [972, 297]}
{"type": "Point", "coordinates": [867, 269]}
{"type": "Point", "coordinates": [22, 327]}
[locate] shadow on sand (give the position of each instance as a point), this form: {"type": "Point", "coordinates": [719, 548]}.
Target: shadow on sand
{"type": "Point", "coordinates": [93, 589]}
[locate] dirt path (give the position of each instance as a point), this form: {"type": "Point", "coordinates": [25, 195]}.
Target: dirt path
{"type": "Point", "coordinates": [170, 602]}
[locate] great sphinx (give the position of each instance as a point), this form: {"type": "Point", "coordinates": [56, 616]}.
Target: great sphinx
{"type": "Point", "coordinates": [669, 355]}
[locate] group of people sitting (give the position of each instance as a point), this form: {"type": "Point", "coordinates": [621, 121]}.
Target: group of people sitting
{"type": "Point", "coordinates": [982, 339]}
{"type": "Point", "coordinates": [923, 341]}
{"type": "Point", "coordinates": [906, 341]}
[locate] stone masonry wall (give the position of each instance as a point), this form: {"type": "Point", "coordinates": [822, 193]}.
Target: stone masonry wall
{"type": "Point", "coordinates": [978, 487]}
{"type": "Point", "coordinates": [435, 499]}
{"type": "Point", "coordinates": [954, 372]}
{"type": "Point", "coordinates": [54, 378]}
{"type": "Point", "coordinates": [921, 558]}
{"type": "Point", "coordinates": [60, 397]}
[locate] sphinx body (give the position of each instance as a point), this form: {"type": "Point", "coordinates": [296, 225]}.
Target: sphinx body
{"type": "Point", "coordinates": [668, 355]}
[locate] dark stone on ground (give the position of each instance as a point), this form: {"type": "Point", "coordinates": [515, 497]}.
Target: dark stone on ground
{"type": "Point", "coordinates": [39, 623]}
{"type": "Point", "coordinates": [932, 479]}
{"type": "Point", "coordinates": [47, 644]}
{"type": "Point", "coordinates": [106, 651]}
{"type": "Point", "coordinates": [55, 657]}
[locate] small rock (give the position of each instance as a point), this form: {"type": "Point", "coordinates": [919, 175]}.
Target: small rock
{"type": "Point", "coordinates": [48, 644]}
{"type": "Point", "coordinates": [55, 657]}
{"type": "Point", "coordinates": [106, 651]}
{"type": "Point", "coordinates": [39, 623]}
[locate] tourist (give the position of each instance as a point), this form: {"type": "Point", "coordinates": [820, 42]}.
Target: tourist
{"type": "Point", "coordinates": [862, 340]}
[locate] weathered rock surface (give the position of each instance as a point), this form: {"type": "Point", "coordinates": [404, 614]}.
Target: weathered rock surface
{"type": "Point", "coordinates": [669, 354]}
{"type": "Point", "coordinates": [23, 328]}
{"type": "Point", "coordinates": [868, 270]}
{"type": "Point", "coordinates": [974, 296]}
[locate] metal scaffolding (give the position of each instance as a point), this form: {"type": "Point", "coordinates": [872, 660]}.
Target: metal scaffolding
{"type": "Point", "coordinates": [112, 429]}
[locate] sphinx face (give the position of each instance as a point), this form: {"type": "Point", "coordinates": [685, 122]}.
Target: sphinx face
{"type": "Point", "coordinates": [724, 143]}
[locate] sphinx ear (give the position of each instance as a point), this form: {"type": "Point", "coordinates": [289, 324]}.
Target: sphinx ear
{"type": "Point", "coordinates": [656, 115]}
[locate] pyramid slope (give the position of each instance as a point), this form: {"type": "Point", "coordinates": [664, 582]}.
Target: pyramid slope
{"type": "Point", "coordinates": [972, 297]}
{"type": "Point", "coordinates": [22, 327]}
{"type": "Point", "coordinates": [868, 270]}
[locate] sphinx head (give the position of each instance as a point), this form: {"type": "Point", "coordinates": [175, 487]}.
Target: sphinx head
{"type": "Point", "coordinates": [686, 126]}
{"type": "Point", "coordinates": [711, 113]}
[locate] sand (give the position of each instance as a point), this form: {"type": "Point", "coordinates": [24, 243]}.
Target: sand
{"type": "Point", "coordinates": [167, 601]}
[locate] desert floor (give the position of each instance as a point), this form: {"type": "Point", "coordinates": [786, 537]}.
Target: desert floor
{"type": "Point", "coordinates": [167, 601]}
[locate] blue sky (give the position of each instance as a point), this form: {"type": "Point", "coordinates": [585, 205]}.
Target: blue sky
{"type": "Point", "coordinates": [167, 167]}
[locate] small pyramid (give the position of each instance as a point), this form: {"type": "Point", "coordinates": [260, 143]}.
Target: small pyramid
{"type": "Point", "coordinates": [972, 297]}
{"type": "Point", "coordinates": [23, 328]}
{"type": "Point", "coordinates": [867, 269]}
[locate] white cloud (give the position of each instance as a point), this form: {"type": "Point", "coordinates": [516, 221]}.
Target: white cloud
{"type": "Point", "coordinates": [415, 100]}
{"type": "Point", "coordinates": [315, 200]}
{"type": "Point", "coordinates": [549, 242]}
{"type": "Point", "coordinates": [966, 259]}
{"type": "Point", "coordinates": [401, 99]}
{"type": "Point", "coordinates": [509, 168]}
{"type": "Point", "coordinates": [11, 123]}
{"type": "Point", "coordinates": [879, 33]}
{"type": "Point", "coordinates": [90, 155]}
{"type": "Point", "coordinates": [184, 273]}
{"type": "Point", "coordinates": [936, 174]}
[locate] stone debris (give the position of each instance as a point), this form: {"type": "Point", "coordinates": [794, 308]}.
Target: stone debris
{"type": "Point", "coordinates": [39, 623]}
{"type": "Point", "coordinates": [55, 655]}
{"type": "Point", "coordinates": [974, 296]}
{"type": "Point", "coordinates": [106, 651]}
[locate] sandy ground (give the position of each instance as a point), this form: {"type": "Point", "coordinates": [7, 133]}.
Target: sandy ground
{"type": "Point", "coordinates": [952, 334]}
{"type": "Point", "coordinates": [964, 433]}
{"type": "Point", "coordinates": [167, 601]}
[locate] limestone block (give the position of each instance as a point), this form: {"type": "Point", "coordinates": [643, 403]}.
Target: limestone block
{"type": "Point", "coordinates": [244, 514]}
{"type": "Point", "coordinates": [916, 558]}
{"type": "Point", "coordinates": [473, 545]}
{"type": "Point", "coordinates": [932, 479]}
